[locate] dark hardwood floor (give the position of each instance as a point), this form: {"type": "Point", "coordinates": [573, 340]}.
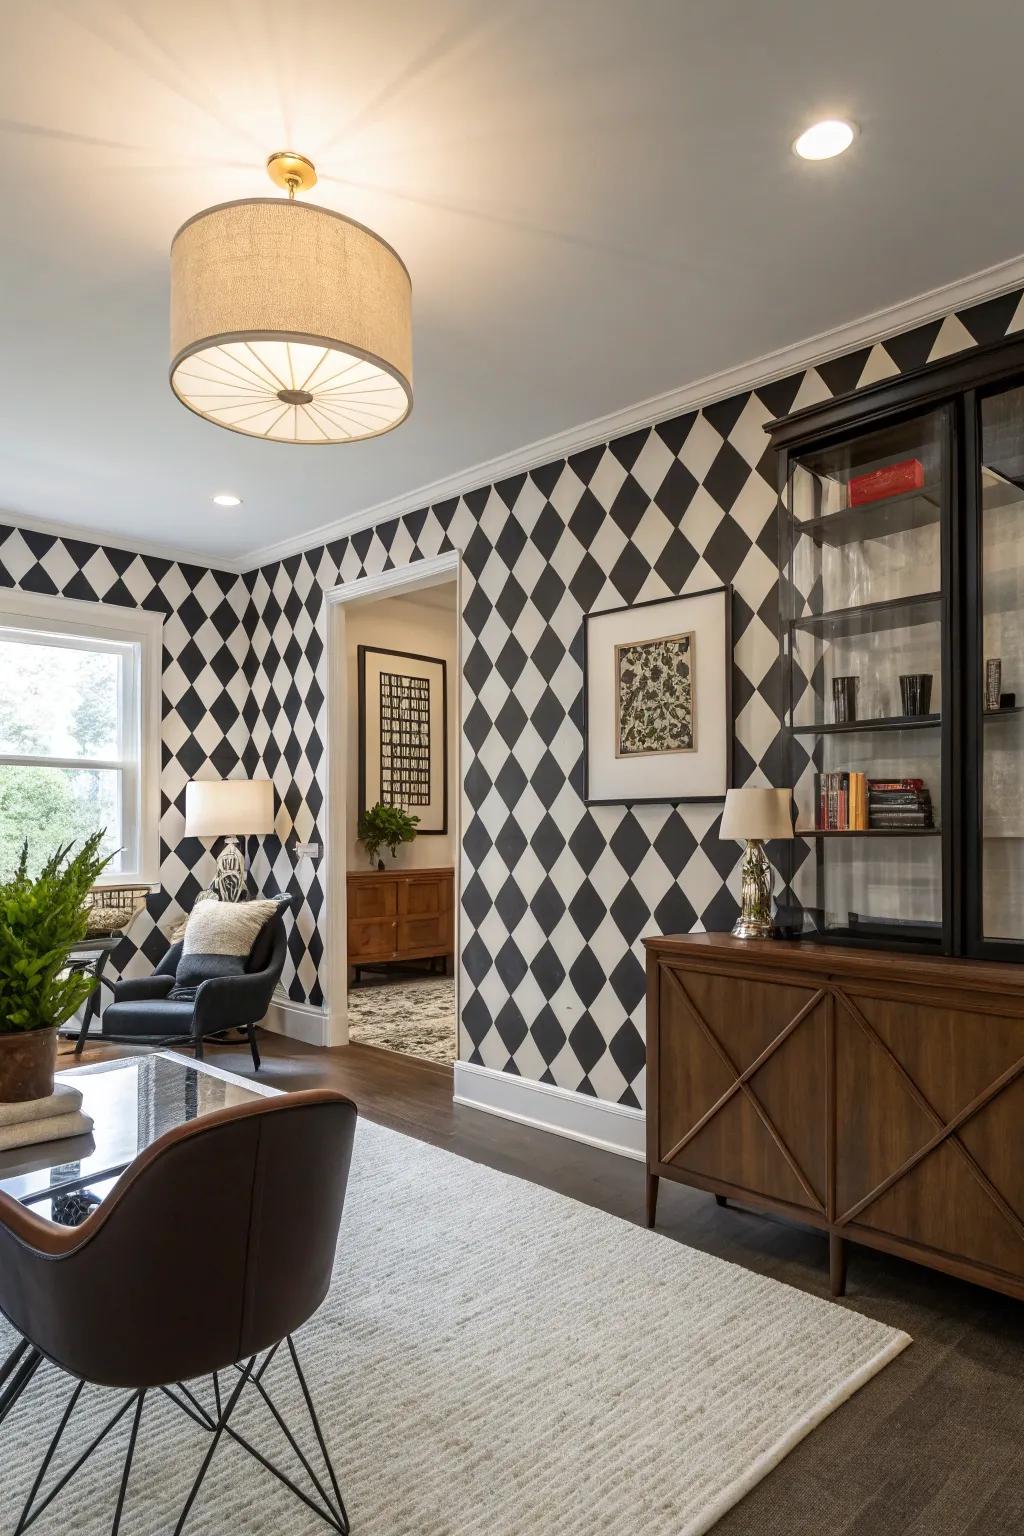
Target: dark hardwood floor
{"type": "Point", "coordinates": [934, 1446]}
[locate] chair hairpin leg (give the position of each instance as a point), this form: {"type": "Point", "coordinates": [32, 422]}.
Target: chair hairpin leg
{"type": "Point", "coordinates": [20, 1366]}
{"type": "Point", "coordinates": [30, 1516]}
{"type": "Point", "coordinates": [222, 1425]}
{"type": "Point", "coordinates": [319, 1433]}
{"type": "Point", "coordinates": [254, 1048]}
{"type": "Point", "coordinates": [24, 1521]}
{"type": "Point", "coordinates": [129, 1456]}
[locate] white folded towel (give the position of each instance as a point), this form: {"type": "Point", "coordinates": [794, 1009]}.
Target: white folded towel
{"type": "Point", "coordinates": [64, 1100]}
{"type": "Point", "coordinates": [26, 1133]}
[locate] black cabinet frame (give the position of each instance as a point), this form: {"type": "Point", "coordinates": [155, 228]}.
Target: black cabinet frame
{"type": "Point", "coordinates": [956, 387]}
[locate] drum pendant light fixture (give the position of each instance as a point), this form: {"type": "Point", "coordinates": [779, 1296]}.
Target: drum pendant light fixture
{"type": "Point", "coordinates": [288, 321]}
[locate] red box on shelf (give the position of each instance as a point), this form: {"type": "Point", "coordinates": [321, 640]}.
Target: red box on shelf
{"type": "Point", "coordinates": [893, 480]}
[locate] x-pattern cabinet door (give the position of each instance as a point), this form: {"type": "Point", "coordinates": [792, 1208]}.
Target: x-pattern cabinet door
{"type": "Point", "coordinates": [929, 1117]}
{"type": "Point", "coordinates": [743, 1066]}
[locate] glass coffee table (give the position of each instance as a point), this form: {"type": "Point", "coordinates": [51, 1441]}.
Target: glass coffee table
{"type": "Point", "coordinates": [132, 1101]}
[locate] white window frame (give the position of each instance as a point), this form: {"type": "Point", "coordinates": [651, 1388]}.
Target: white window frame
{"type": "Point", "coordinates": [136, 635]}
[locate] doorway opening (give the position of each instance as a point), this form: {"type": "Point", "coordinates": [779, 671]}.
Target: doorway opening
{"type": "Point", "coordinates": [394, 744]}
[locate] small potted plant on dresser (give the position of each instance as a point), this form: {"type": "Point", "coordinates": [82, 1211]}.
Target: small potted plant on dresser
{"type": "Point", "coordinates": [385, 826]}
{"type": "Point", "coordinates": [41, 921]}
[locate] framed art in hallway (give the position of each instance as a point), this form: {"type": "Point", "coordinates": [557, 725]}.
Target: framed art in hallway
{"type": "Point", "coordinates": [657, 700]}
{"type": "Point", "coordinates": [403, 735]}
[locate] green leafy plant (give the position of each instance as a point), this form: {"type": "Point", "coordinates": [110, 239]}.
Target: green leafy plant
{"type": "Point", "coordinates": [41, 920]}
{"type": "Point", "coordinates": [385, 826]}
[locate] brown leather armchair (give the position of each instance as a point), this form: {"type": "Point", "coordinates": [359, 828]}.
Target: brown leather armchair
{"type": "Point", "coordinates": [253, 1195]}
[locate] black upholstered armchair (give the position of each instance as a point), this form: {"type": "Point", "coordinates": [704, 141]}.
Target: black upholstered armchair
{"type": "Point", "coordinates": [144, 1010]}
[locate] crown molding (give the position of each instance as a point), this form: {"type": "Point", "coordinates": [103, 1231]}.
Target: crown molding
{"type": "Point", "coordinates": [86, 535]}
{"type": "Point", "coordinates": [820, 348]}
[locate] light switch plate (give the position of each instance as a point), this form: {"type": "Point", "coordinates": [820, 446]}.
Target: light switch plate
{"type": "Point", "coordinates": [307, 850]}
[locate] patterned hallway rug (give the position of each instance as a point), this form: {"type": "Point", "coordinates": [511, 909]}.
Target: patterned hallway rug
{"type": "Point", "coordinates": [415, 1017]}
{"type": "Point", "coordinates": [492, 1360]}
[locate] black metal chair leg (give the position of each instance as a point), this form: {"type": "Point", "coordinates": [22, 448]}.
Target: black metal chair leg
{"type": "Point", "coordinates": [21, 1365]}
{"type": "Point", "coordinates": [129, 1455]}
{"type": "Point", "coordinates": [325, 1453]}
{"type": "Point", "coordinates": [254, 1047]}
{"type": "Point", "coordinates": [215, 1441]}
{"type": "Point", "coordinates": [26, 1516]}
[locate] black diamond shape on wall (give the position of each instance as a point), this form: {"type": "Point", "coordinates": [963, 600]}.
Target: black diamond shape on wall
{"type": "Point", "coordinates": [727, 476]}
{"type": "Point", "coordinates": [587, 1042]}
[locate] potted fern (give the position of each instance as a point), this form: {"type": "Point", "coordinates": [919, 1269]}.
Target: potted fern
{"type": "Point", "coordinates": [41, 921]}
{"type": "Point", "coordinates": [385, 826]}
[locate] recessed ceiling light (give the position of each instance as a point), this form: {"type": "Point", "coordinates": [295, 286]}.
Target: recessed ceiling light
{"type": "Point", "coordinates": [824, 140]}
{"type": "Point", "coordinates": [225, 499]}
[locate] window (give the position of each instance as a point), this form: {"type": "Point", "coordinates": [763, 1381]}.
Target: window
{"type": "Point", "coordinates": [79, 729]}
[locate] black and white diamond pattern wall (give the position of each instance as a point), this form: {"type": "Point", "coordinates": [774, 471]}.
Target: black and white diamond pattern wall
{"type": "Point", "coordinates": [204, 690]}
{"type": "Point", "coordinates": [555, 896]}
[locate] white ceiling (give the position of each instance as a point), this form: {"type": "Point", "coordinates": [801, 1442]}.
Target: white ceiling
{"type": "Point", "coordinates": [596, 200]}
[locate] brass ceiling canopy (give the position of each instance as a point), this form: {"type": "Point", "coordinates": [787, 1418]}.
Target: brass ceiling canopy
{"type": "Point", "coordinates": [291, 172]}
{"type": "Point", "coordinates": [290, 322]}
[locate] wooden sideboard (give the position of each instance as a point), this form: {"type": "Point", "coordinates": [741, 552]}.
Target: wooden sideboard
{"type": "Point", "coordinates": [876, 1096]}
{"type": "Point", "coordinates": [400, 914]}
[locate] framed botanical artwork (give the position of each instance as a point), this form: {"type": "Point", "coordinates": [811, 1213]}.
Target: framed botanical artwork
{"type": "Point", "coordinates": [403, 735]}
{"type": "Point", "coordinates": [657, 700]}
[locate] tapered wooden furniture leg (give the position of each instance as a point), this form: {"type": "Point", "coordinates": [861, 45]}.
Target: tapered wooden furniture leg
{"type": "Point", "coordinates": [720, 1200]}
{"type": "Point", "coordinates": [652, 1198]}
{"type": "Point", "coordinates": [837, 1264]}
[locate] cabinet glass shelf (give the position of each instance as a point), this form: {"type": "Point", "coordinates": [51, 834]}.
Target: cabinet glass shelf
{"type": "Point", "coordinates": [883, 723]}
{"type": "Point", "coordinates": [874, 618]}
{"type": "Point", "coordinates": [875, 519]}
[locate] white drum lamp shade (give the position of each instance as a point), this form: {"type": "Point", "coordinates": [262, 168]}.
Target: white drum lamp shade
{"type": "Point", "coordinates": [229, 808]}
{"type": "Point", "coordinates": [761, 814]}
{"type": "Point", "coordinates": [290, 322]}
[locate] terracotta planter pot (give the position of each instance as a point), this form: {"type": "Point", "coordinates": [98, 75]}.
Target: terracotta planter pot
{"type": "Point", "coordinates": [27, 1060]}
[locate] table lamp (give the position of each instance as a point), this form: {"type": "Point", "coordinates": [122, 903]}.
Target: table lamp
{"type": "Point", "coordinates": [229, 808]}
{"type": "Point", "coordinates": [756, 815]}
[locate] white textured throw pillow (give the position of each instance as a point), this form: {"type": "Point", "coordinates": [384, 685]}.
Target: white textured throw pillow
{"type": "Point", "coordinates": [218, 938]}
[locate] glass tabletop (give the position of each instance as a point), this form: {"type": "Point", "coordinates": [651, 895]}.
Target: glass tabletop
{"type": "Point", "coordinates": [132, 1101]}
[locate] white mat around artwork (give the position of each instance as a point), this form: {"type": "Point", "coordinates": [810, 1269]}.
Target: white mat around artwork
{"type": "Point", "coordinates": [494, 1359]}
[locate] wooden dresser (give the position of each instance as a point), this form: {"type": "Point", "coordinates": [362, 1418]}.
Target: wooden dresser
{"type": "Point", "coordinates": [400, 914]}
{"type": "Point", "coordinates": [876, 1096]}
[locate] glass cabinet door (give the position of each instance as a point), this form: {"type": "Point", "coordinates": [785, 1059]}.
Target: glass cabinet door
{"type": "Point", "coordinates": [864, 611]}
{"type": "Point", "coordinates": [999, 687]}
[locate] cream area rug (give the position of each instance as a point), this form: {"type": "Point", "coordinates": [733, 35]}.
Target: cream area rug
{"type": "Point", "coordinates": [492, 1360]}
{"type": "Point", "coordinates": [416, 1018]}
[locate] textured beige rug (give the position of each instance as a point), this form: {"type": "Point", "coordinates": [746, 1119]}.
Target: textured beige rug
{"type": "Point", "coordinates": [495, 1360]}
{"type": "Point", "coordinates": [415, 1017]}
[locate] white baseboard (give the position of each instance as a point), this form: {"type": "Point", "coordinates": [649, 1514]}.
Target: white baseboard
{"type": "Point", "coordinates": [612, 1127]}
{"type": "Point", "coordinates": [299, 1021]}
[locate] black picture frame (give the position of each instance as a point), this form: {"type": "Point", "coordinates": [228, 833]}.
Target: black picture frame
{"type": "Point", "coordinates": [727, 592]}
{"type": "Point", "coordinates": [362, 652]}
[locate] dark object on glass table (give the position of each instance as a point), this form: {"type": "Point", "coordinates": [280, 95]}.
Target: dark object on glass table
{"type": "Point", "coordinates": [844, 699]}
{"type": "Point", "coordinates": [143, 1009]}
{"type": "Point", "coordinates": [229, 1195]}
{"type": "Point", "coordinates": [916, 692]}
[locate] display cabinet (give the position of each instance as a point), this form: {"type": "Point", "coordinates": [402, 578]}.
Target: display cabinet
{"type": "Point", "coordinates": [901, 606]}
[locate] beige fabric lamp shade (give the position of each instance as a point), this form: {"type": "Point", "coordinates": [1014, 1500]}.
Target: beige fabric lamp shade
{"type": "Point", "coordinates": [290, 322]}
{"type": "Point", "coordinates": [763, 814]}
{"type": "Point", "coordinates": [229, 807]}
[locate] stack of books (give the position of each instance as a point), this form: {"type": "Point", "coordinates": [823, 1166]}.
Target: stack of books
{"type": "Point", "coordinates": [899, 805]}
{"type": "Point", "coordinates": [841, 802]}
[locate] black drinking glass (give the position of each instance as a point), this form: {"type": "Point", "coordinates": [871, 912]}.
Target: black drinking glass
{"type": "Point", "coordinates": [916, 692]}
{"type": "Point", "coordinates": [844, 699]}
